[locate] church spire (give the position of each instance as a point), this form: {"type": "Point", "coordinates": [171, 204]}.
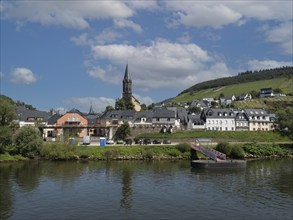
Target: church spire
{"type": "Point", "coordinates": [91, 112]}
{"type": "Point", "coordinates": [126, 74]}
{"type": "Point", "coordinates": [127, 85]}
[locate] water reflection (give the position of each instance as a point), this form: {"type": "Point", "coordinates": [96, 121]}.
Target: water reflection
{"type": "Point", "coordinates": [126, 189]}
{"type": "Point", "coordinates": [141, 188]}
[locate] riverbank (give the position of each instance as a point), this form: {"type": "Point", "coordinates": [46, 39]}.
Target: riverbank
{"type": "Point", "coordinates": [181, 151]}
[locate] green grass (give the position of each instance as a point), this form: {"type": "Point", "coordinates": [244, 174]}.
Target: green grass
{"type": "Point", "coordinates": [8, 157]}
{"type": "Point", "coordinates": [248, 136]}
{"type": "Point", "coordinates": [266, 103]}
{"type": "Point", "coordinates": [56, 151]}
{"type": "Point", "coordinates": [285, 84]}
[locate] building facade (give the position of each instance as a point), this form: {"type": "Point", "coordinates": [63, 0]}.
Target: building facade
{"type": "Point", "coordinates": [219, 119]}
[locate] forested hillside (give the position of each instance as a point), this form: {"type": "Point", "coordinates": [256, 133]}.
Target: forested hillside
{"type": "Point", "coordinates": [245, 77]}
{"type": "Point", "coordinates": [17, 103]}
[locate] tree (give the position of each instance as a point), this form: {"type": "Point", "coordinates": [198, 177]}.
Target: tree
{"type": "Point", "coordinates": [7, 116]}
{"type": "Point", "coordinates": [285, 120]}
{"type": "Point", "coordinates": [123, 131]}
{"type": "Point", "coordinates": [28, 141]}
{"type": "Point", "coordinates": [195, 109]}
{"type": "Point", "coordinates": [5, 138]}
{"type": "Point", "coordinates": [221, 95]}
{"type": "Point", "coordinates": [120, 104]}
{"type": "Point", "coordinates": [109, 108]}
{"type": "Point", "coordinates": [214, 104]}
{"type": "Point", "coordinates": [278, 90]}
{"type": "Point", "coordinates": [143, 107]}
{"type": "Point", "coordinates": [254, 94]}
{"type": "Point", "coordinates": [7, 112]}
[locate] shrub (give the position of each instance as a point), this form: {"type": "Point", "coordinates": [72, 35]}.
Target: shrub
{"type": "Point", "coordinates": [111, 154]}
{"type": "Point", "coordinates": [57, 151]}
{"type": "Point", "coordinates": [224, 147]}
{"type": "Point", "coordinates": [174, 152]}
{"type": "Point", "coordinates": [5, 138]}
{"type": "Point", "coordinates": [27, 141]}
{"type": "Point", "coordinates": [148, 154]}
{"type": "Point", "coordinates": [184, 147]}
{"type": "Point", "coordinates": [237, 152]}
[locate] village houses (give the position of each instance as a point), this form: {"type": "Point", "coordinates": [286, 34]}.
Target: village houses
{"type": "Point", "coordinates": [158, 119]}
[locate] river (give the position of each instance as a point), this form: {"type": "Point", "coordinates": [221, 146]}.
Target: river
{"type": "Point", "coordinates": [145, 190]}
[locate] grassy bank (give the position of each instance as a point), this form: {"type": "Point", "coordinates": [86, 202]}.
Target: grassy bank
{"type": "Point", "coordinates": [57, 151]}
{"type": "Point", "coordinates": [7, 157]}
{"type": "Point", "coordinates": [247, 136]}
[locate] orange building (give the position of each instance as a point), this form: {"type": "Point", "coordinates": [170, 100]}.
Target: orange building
{"type": "Point", "coordinates": [72, 123]}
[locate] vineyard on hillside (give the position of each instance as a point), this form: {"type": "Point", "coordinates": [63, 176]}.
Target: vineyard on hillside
{"type": "Point", "coordinates": [266, 103]}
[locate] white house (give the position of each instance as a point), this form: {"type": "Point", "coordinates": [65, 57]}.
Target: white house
{"type": "Point", "coordinates": [220, 119]}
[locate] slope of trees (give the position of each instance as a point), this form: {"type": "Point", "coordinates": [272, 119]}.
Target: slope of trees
{"type": "Point", "coordinates": [248, 76]}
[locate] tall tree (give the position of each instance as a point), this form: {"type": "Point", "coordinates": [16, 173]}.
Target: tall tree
{"type": "Point", "coordinates": [7, 112]}
{"type": "Point", "coordinates": [285, 120]}
{"type": "Point", "coordinates": [123, 131]}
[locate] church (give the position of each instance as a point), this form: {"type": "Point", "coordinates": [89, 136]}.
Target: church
{"type": "Point", "coordinates": [127, 96]}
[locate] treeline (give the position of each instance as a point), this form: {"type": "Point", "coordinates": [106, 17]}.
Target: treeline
{"type": "Point", "coordinates": [17, 103]}
{"type": "Point", "coordinates": [248, 76]}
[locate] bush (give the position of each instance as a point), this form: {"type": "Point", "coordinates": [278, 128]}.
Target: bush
{"type": "Point", "coordinates": [28, 141]}
{"type": "Point", "coordinates": [148, 154]}
{"type": "Point", "coordinates": [224, 147]}
{"type": "Point", "coordinates": [184, 147]}
{"type": "Point", "coordinates": [237, 152]}
{"type": "Point", "coordinates": [5, 138]}
{"type": "Point", "coordinates": [57, 151]}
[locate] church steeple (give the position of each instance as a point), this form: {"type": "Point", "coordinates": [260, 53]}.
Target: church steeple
{"type": "Point", "coordinates": [126, 74]}
{"type": "Point", "coordinates": [127, 85]}
{"type": "Point", "coordinates": [91, 112]}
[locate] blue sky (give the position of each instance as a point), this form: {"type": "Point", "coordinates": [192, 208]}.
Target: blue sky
{"type": "Point", "coordinates": [71, 54]}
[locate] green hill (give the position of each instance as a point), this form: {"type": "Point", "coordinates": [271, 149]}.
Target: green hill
{"type": "Point", "coordinates": [243, 77]}
{"type": "Point", "coordinates": [283, 83]}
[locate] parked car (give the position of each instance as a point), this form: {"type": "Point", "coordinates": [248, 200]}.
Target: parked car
{"type": "Point", "coordinates": [166, 142]}
{"type": "Point", "coordinates": [157, 141]}
{"type": "Point", "coordinates": [119, 142]}
{"type": "Point", "coordinates": [128, 141]}
{"type": "Point", "coordinates": [110, 141]}
{"type": "Point", "coordinates": [147, 141]}
{"type": "Point", "coordinates": [138, 141]}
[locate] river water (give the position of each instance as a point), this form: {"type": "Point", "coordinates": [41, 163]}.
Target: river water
{"type": "Point", "coordinates": [145, 190]}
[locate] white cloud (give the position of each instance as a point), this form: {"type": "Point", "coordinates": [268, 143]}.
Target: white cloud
{"type": "Point", "coordinates": [124, 23]}
{"type": "Point", "coordinates": [217, 14]}
{"type": "Point", "coordinates": [23, 76]}
{"type": "Point", "coordinates": [146, 5]}
{"type": "Point", "coordinates": [161, 64]}
{"type": "Point", "coordinates": [282, 35]}
{"type": "Point", "coordinates": [71, 14]}
{"type": "Point", "coordinates": [144, 99]}
{"type": "Point", "coordinates": [99, 104]}
{"type": "Point", "coordinates": [107, 35]}
{"type": "Point", "coordinates": [81, 40]}
{"type": "Point", "coordinates": [185, 38]}
{"type": "Point", "coordinates": [110, 74]}
{"type": "Point", "coordinates": [266, 64]}
{"type": "Point", "coordinates": [1, 74]}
